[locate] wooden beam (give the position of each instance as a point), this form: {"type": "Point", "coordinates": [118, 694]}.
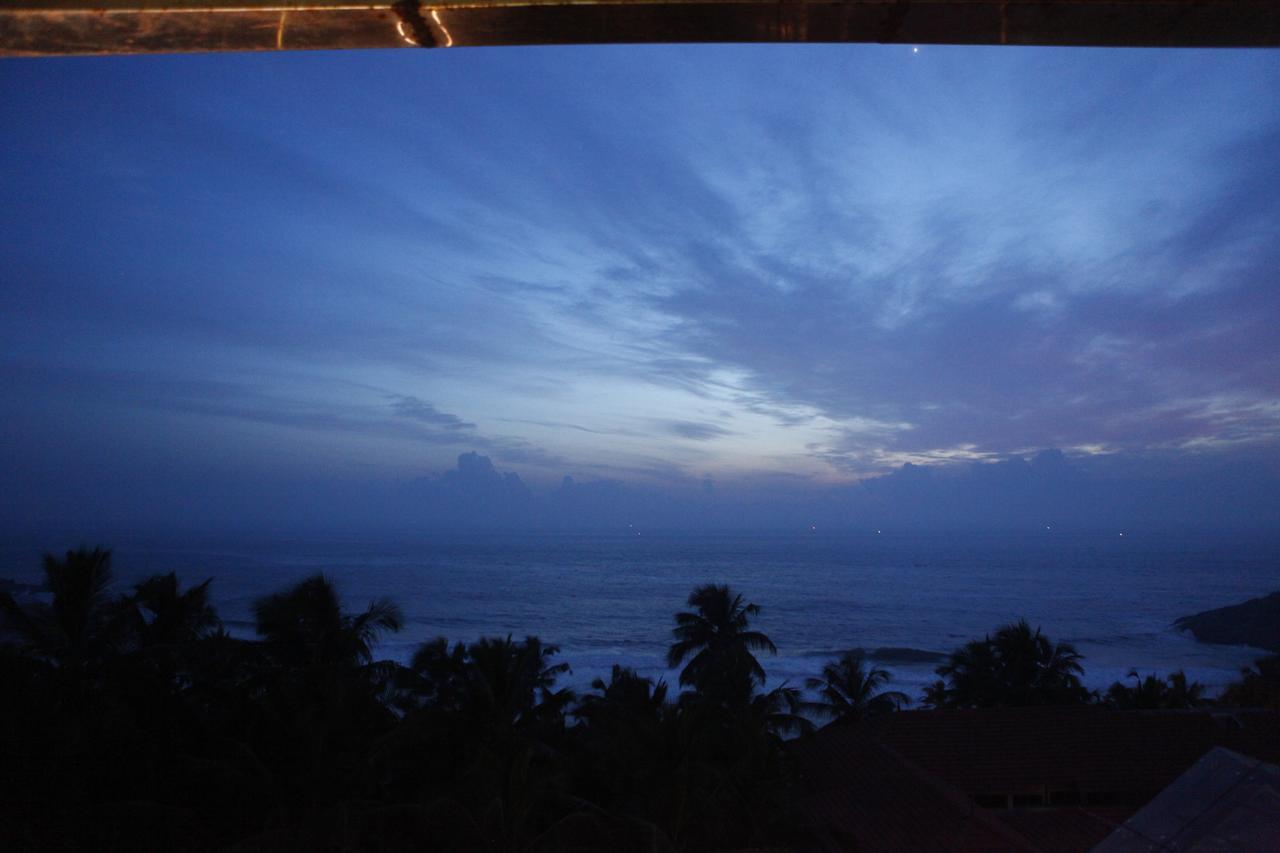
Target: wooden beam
{"type": "Point", "coordinates": [51, 27]}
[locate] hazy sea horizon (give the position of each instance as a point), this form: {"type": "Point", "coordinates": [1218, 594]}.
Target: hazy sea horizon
{"type": "Point", "coordinates": [606, 599]}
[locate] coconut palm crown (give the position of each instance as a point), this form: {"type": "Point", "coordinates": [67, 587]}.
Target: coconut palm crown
{"type": "Point", "coordinates": [167, 615]}
{"type": "Point", "coordinates": [848, 691]}
{"type": "Point", "coordinates": [306, 625]}
{"type": "Point", "coordinates": [716, 640]}
{"type": "Point", "coordinates": [1016, 666]}
{"type": "Point", "coordinates": [79, 623]}
{"type": "Point", "coordinates": [1173, 691]}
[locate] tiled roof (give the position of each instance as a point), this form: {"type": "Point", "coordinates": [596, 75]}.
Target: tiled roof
{"type": "Point", "coordinates": [1004, 750]}
{"type": "Point", "coordinates": [1062, 830]}
{"type": "Point", "coordinates": [907, 781]}
{"type": "Point", "coordinates": [862, 796]}
{"type": "Point", "coordinates": [1226, 802]}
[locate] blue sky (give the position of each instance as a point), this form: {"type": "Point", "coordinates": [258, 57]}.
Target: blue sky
{"type": "Point", "coordinates": [236, 282]}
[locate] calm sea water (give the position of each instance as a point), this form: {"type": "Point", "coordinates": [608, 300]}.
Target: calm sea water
{"type": "Point", "coordinates": [610, 599]}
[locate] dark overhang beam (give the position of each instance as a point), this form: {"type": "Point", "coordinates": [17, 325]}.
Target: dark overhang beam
{"type": "Point", "coordinates": [50, 27]}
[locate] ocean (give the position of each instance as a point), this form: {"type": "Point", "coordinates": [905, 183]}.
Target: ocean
{"type": "Point", "coordinates": [610, 599]}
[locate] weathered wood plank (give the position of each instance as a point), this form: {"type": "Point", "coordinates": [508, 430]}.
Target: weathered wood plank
{"type": "Point", "coordinates": [47, 27]}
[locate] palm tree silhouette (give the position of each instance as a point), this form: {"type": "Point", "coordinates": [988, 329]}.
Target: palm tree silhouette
{"type": "Point", "coordinates": [168, 617]}
{"type": "Point", "coordinates": [849, 692]}
{"type": "Point", "coordinates": [625, 750]}
{"type": "Point", "coordinates": [79, 624]}
{"type": "Point", "coordinates": [489, 721]}
{"type": "Point", "coordinates": [780, 712]}
{"type": "Point", "coordinates": [1017, 666]}
{"type": "Point", "coordinates": [509, 683]}
{"type": "Point", "coordinates": [1259, 685]}
{"type": "Point", "coordinates": [625, 696]}
{"type": "Point", "coordinates": [716, 640]}
{"type": "Point", "coordinates": [306, 626]}
{"type": "Point", "coordinates": [1151, 692]}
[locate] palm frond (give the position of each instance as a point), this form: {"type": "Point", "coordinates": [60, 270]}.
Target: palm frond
{"type": "Point", "coordinates": [679, 651]}
{"type": "Point", "coordinates": [24, 620]}
{"type": "Point", "coordinates": [757, 641]}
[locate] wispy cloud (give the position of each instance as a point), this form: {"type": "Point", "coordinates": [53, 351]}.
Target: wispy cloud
{"type": "Point", "coordinates": [420, 410]}
{"type": "Point", "coordinates": [694, 430]}
{"type": "Point", "coordinates": [974, 255]}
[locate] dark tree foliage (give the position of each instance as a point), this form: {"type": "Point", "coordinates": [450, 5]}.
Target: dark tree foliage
{"type": "Point", "coordinates": [135, 721]}
{"type": "Point", "coordinates": [305, 626]}
{"type": "Point", "coordinates": [79, 627]}
{"type": "Point", "coordinates": [1016, 666]}
{"type": "Point", "coordinates": [849, 691]}
{"type": "Point", "coordinates": [1151, 693]}
{"type": "Point", "coordinates": [1258, 687]}
{"type": "Point", "coordinates": [717, 647]}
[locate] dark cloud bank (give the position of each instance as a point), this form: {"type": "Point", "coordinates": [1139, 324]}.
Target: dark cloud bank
{"type": "Point", "coordinates": [1211, 492]}
{"type": "Point", "coordinates": [1218, 491]}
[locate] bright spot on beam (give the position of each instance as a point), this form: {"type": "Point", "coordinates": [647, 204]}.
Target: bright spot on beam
{"type": "Point", "coordinates": [915, 50]}
{"type": "Point", "coordinates": [448, 40]}
{"type": "Point", "coordinates": [404, 35]}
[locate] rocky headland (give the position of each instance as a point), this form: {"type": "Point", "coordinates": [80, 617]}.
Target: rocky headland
{"type": "Point", "coordinates": [1255, 622]}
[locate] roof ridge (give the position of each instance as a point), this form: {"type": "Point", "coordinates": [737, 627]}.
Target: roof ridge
{"type": "Point", "coordinates": [971, 810]}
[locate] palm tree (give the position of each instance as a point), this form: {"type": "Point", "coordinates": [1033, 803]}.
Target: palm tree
{"type": "Point", "coordinates": [1034, 671]}
{"type": "Point", "coordinates": [508, 683]}
{"type": "Point", "coordinates": [315, 691]}
{"type": "Point", "coordinates": [166, 629]}
{"type": "Point", "coordinates": [432, 677]}
{"type": "Point", "coordinates": [479, 742]}
{"type": "Point", "coordinates": [1258, 687]}
{"type": "Point", "coordinates": [718, 644]}
{"type": "Point", "coordinates": [168, 617]}
{"type": "Point", "coordinates": [969, 677]}
{"type": "Point", "coordinates": [306, 625]}
{"type": "Point", "coordinates": [849, 692]}
{"type": "Point", "coordinates": [79, 624]}
{"type": "Point", "coordinates": [1018, 666]}
{"type": "Point", "coordinates": [491, 688]}
{"type": "Point", "coordinates": [622, 753]}
{"type": "Point", "coordinates": [1184, 694]}
{"type": "Point", "coordinates": [626, 696]}
{"type": "Point", "coordinates": [1152, 692]}
{"type": "Point", "coordinates": [936, 695]}
{"type": "Point", "coordinates": [779, 712]}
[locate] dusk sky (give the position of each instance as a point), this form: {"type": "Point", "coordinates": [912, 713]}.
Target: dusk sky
{"type": "Point", "coordinates": [236, 286]}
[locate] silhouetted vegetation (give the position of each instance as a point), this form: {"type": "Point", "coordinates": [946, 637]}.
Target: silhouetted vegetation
{"type": "Point", "coordinates": [1258, 687]}
{"type": "Point", "coordinates": [848, 691]}
{"type": "Point", "coordinates": [1151, 693]}
{"type": "Point", "coordinates": [136, 721]}
{"type": "Point", "coordinates": [1016, 666]}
